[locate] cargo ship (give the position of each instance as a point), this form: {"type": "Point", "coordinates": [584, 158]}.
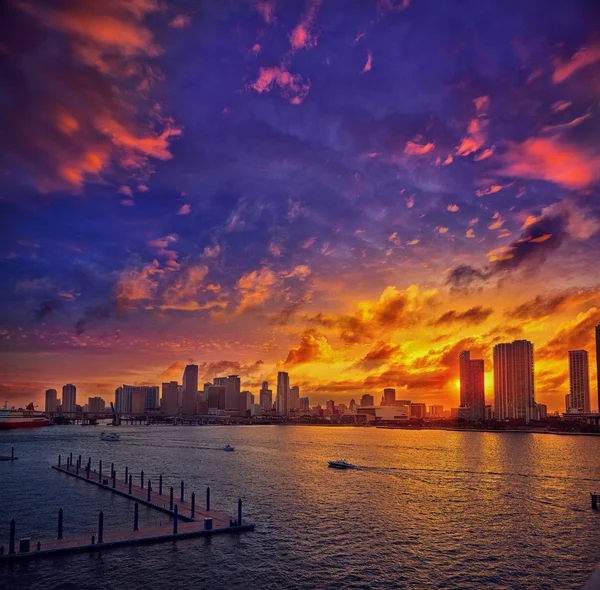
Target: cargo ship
{"type": "Point", "coordinates": [27, 418]}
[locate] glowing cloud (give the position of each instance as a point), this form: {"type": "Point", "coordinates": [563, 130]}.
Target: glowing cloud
{"type": "Point", "coordinates": [586, 56]}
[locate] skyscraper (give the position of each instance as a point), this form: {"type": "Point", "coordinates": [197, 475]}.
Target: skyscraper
{"type": "Point", "coordinates": [294, 403]}
{"type": "Point", "coordinates": [283, 394]}
{"type": "Point", "coordinates": [472, 386]}
{"type": "Point", "coordinates": [579, 382]}
{"type": "Point", "coordinates": [266, 397]}
{"type": "Point", "coordinates": [51, 401]}
{"type": "Point", "coordinates": [69, 399]}
{"type": "Point", "coordinates": [169, 403]}
{"type": "Point", "coordinates": [189, 390]}
{"type": "Point", "coordinates": [233, 400]}
{"type": "Point", "coordinates": [367, 400]}
{"type": "Point", "coordinates": [598, 362]}
{"type": "Point", "coordinates": [389, 396]}
{"type": "Point", "coordinates": [514, 394]}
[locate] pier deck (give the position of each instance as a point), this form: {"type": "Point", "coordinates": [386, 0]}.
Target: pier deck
{"type": "Point", "coordinates": [186, 520]}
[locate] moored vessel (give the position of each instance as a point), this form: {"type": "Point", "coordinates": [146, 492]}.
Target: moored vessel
{"type": "Point", "coordinates": [341, 464]}
{"type": "Point", "coordinates": [21, 418]}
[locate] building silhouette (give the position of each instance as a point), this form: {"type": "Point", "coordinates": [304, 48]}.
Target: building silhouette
{"type": "Point", "coordinates": [216, 398]}
{"type": "Point", "coordinates": [294, 398]}
{"type": "Point", "coordinates": [189, 390]}
{"type": "Point", "coordinates": [472, 387]}
{"type": "Point", "coordinates": [136, 399]}
{"type": "Point", "coordinates": [69, 399]}
{"type": "Point", "coordinates": [96, 405]}
{"type": "Point", "coordinates": [266, 397]}
{"type": "Point", "coordinates": [233, 399]}
{"type": "Point", "coordinates": [514, 394]}
{"type": "Point", "coordinates": [51, 401]}
{"type": "Point", "coordinates": [169, 403]}
{"type": "Point", "coordinates": [283, 394]}
{"type": "Point", "coordinates": [304, 404]}
{"type": "Point", "coordinates": [578, 400]}
{"type": "Point", "coordinates": [367, 400]}
{"type": "Point", "coordinates": [389, 397]}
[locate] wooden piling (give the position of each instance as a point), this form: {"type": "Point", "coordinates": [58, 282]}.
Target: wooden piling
{"type": "Point", "coordinates": [136, 516]}
{"type": "Point", "coordinates": [175, 519]}
{"type": "Point", "coordinates": [160, 485]}
{"type": "Point", "coordinates": [11, 538]}
{"type": "Point", "coordinates": [60, 523]}
{"type": "Point", "coordinates": [207, 499]}
{"type": "Point", "coordinates": [182, 487]}
{"type": "Point", "coordinates": [171, 499]}
{"type": "Point", "coordinates": [101, 527]}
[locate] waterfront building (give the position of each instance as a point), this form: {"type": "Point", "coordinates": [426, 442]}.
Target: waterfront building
{"type": "Point", "coordinates": [367, 400]}
{"type": "Point", "coordinates": [205, 391]}
{"type": "Point", "coordinates": [304, 404]}
{"type": "Point", "coordinates": [151, 398]}
{"type": "Point", "coordinates": [189, 390]}
{"type": "Point", "coordinates": [69, 399]}
{"type": "Point", "coordinates": [51, 401]}
{"type": "Point", "coordinates": [472, 387]}
{"type": "Point", "coordinates": [353, 405]}
{"type": "Point", "coordinates": [330, 405]}
{"type": "Point", "coordinates": [246, 402]}
{"type": "Point", "coordinates": [389, 397]}
{"type": "Point", "coordinates": [579, 382]}
{"type": "Point", "coordinates": [418, 410]}
{"type": "Point", "coordinates": [96, 405]}
{"type": "Point", "coordinates": [216, 397]}
{"type": "Point", "coordinates": [402, 402]}
{"type": "Point", "coordinates": [233, 400]}
{"type": "Point", "coordinates": [169, 403]}
{"type": "Point", "coordinates": [542, 411]}
{"type": "Point", "coordinates": [514, 394]}
{"type": "Point", "coordinates": [138, 400]}
{"type": "Point", "coordinates": [148, 394]}
{"type": "Point", "coordinates": [256, 410]}
{"type": "Point", "coordinates": [436, 411]}
{"type": "Point", "coordinates": [295, 397]}
{"type": "Point", "coordinates": [283, 393]}
{"type": "Point", "coordinates": [384, 413]}
{"type": "Point", "coordinates": [489, 414]}
{"type": "Point", "coordinates": [266, 397]}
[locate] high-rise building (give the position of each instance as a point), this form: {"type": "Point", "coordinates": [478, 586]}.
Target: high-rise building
{"type": "Point", "coordinates": [514, 393]}
{"type": "Point", "coordinates": [389, 396]}
{"type": "Point", "coordinates": [304, 404]}
{"type": "Point", "coordinates": [151, 398]}
{"type": "Point", "coordinates": [205, 391]}
{"type": "Point", "coordinates": [51, 401]}
{"type": "Point", "coordinates": [283, 394]}
{"type": "Point", "coordinates": [124, 399]}
{"type": "Point", "coordinates": [367, 400]}
{"type": "Point", "coordinates": [436, 411]}
{"type": "Point", "coordinates": [330, 405]}
{"type": "Point", "coordinates": [418, 410]}
{"type": "Point", "coordinates": [216, 397]}
{"type": "Point", "coordinates": [598, 362]}
{"type": "Point", "coordinates": [169, 403]}
{"type": "Point", "coordinates": [96, 405]}
{"type": "Point", "coordinates": [69, 399]}
{"type": "Point", "coordinates": [579, 382]}
{"type": "Point", "coordinates": [138, 400]}
{"type": "Point", "coordinates": [295, 397]}
{"type": "Point", "coordinates": [189, 390]}
{"type": "Point", "coordinates": [232, 394]}
{"type": "Point", "coordinates": [472, 386]}
{"type": "Point", "coordinates": [352, 405]}
{"type": "Point", "coordinates": [266, 397]}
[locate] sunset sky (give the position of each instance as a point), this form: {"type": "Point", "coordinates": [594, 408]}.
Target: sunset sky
{"type": "Point", "coordinates": [352, 192]}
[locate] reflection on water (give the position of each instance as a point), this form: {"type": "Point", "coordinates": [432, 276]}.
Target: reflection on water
{"type": "Point", "coordinates": [424, 509]}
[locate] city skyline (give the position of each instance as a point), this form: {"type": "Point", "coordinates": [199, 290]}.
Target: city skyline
{"type": "Point", "coordinates": [319, 200]}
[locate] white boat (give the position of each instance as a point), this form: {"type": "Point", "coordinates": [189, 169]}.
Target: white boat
{"type": "Point", "coordinates": [341, 464]}
{"type": "Point", "coordinates": [228, 448]}
{"type": "Point", "coordinates": [109, 436]}
{"type": "Point", "coordinates": [27, 418]}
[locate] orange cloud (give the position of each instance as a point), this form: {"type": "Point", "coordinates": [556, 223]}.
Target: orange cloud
{"type": "Point", "coordinates": [292, 86]}
{"type": "Point", "coordinates": [369, 63]}
{"type": "Point", "coordinates": [184, 210]}
{"type": "Point", "coordinates": [470, 233]}
{"type": "Point", "coordinates": [586, 56]}
{"type": "Point", "coordinates": [416, 148]}
{"type": "Point", "coordinates": [256, 288]}
{"type": "Point", "coordinates": [312, 348]}
{"type": "Point", "coordinates": [181, 21]}
{"type": "Point", "coordinates": [452, 208]}
{"type": "Point", "coordinates": [301, 36]}
{"type": "Point", "coordinates": [553, 161]}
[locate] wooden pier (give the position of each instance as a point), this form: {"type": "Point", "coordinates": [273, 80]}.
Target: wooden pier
{"type": "Point", "coordinates": [188, 519]}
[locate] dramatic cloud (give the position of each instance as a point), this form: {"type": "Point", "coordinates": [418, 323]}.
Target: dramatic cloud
{"type": "Point", "coordinates": [472, 317]}
{"type": "Point", "coordinates": [586, 56]}
{"type": "Point", "coordinates": [292, 86]}
{"type": "Point", "coordinates": [68, 111]}
{"type": "Point", "coordinates": [542, 306]}
{"type": "Point", "coordinates": [312, 348]}
{"type": "Point", "coordinates": [464, 276]}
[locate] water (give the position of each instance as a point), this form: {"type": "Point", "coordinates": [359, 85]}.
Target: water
{"type": "Point", "coordinates": [426, 509]}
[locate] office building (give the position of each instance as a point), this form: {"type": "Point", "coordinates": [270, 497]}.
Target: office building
{"type": "Point", "coordinates": [283, 394]}
{"type": "Point", "coordinates": [330, 405]}
{"type": "Point", "coordinates": [69, 399]}
{"type": "Point", "coordinates": [295, 397]}
{"type": "Point", "coordinates": [51, 401]}
{"type": "Point", "coordinates": [418, 410]}
{"type": "Point", "coordinates": [389, 397]}
{"type": "Point", "coordinates": [579, 382]}
{"type": "Point", "coordinates": [233, 400]}
{"type": "Point", "coordinates": [216, 397]}
{"type": "Point", "coordinates": [151, 398]}
{"type": "Point", "coordinates": [304, 404]}
{"type": "Point", "coordinates": [367, 400]}
{"type": "Point", "coordinates": [96, 405]}
{"type": "Point", "coordinates": [436, 411]}
{"type": "Point", "coordinates": [189, 390]}
{"type": "Point", "coordinates": [169, 403]}
{"type": "Point", "coordinates": [148, 394]}
{"type": "Point", "coordinates": [266, 397]}
{"type": "Point", "coordinates": [472, 387]}
{"type": "Point", "coordinates": [514, 394]}
{"type": "Point", "coordinates": [353, 405]}
{"type": "Point", "coordinates": [542, 411]}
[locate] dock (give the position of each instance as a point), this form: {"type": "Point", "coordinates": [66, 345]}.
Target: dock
{"type": "Point", "coordinates": [187, 518]}
{"type": "Point", "coordinates": [10, 457]}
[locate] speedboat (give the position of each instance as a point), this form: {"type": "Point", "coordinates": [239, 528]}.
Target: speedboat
{"type": "Point", "coordinates": [341, 465]}
{"type": "Point", "coordinates": [109, 436]}
{"type": "Point", "coordinates": [228, 448]}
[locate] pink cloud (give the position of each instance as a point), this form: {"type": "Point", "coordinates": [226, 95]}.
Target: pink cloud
{"type": "Point", "coordinates": [181, 21]}
{"type": "Point", "coordinates": [369, 63]}
{"type": "Point", "coordinates": [292, 86]}
{"type": "Point", "coordinates": [416, 147]}
{"type": "Point", "coordinates": [184, 210]}
{"type": "Point", "coordinates": [266, 10]}
{"type": "Point", "coordinates": [301, 36]}
{"type": "Point", "coordinates": [125, 190]}
{"type": "Point", "coordinates": [586, 56]}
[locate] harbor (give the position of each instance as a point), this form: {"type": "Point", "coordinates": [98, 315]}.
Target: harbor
{"type": "Point", "coordinates": [187, 517]}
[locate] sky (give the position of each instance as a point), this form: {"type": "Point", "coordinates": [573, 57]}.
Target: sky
{"type": "Point", "coordinates": [353, 192]}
